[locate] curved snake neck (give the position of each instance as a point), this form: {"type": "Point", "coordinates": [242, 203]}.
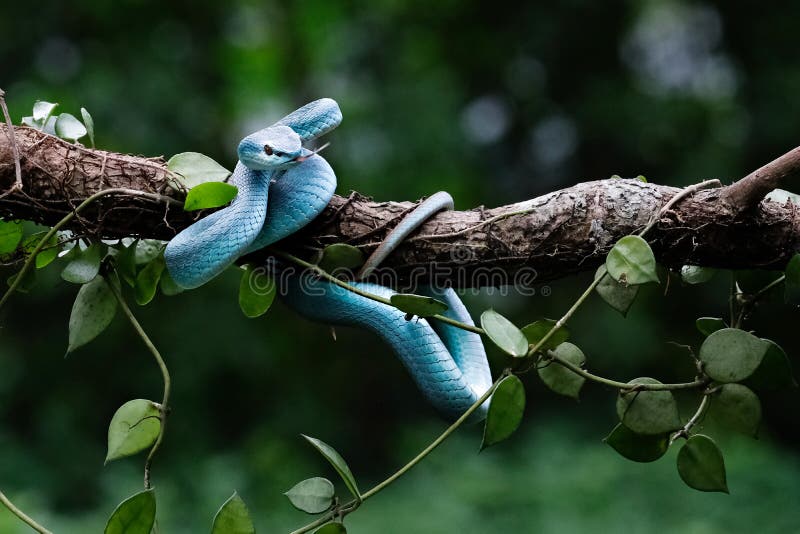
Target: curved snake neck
{"type": "Point", "coordinates": [281, 188]}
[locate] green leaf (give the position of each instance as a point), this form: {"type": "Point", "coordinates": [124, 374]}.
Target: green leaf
{"type": "Point", "coordinates": [313, 495]}
{"type": "Point", "coordinates": [125, 263]}
{"type": "Point", "coordinates": [792, 286]}
{"type": "Point", "coordinates": [618, 296]}
{"type": "Point", "coordinates": [648, 412]}
{"type": "Point", "coordinates": [641, 178]}
{"type": "Point", "coordinates": [337, 462]}
{"type": "Point", "coordinates": [504, 334]}
{"type": "Point", "coordinates": [84, 268]}
{"type": "Point", "coordinates": [209, 195]}
{"type": "Point", "coordinates": [701, 466]}
{"type": "Point", "coordinates": [29, 121]}
{"type": "Point", "coordinates": [637, 447]}
{"type": "Point", "coordinates": [168, 285]}
{"type": "Point", "coordinates": [233, 517]}
{"type": "Point", "coordinates": [709, 325]}
{"type": "Point", "coordinates": [134, 515]}
{"type": "Point", "coordinates": [535, 331]}
{"type": "Point", "coordinates": [782, 196]}
{"type": "Point", "coordinates": [340, 256]}
{"type": "Point", "coordinates": [70, 128]}
{"type": "Point", "coordinates": [731, 355]}
{"type": "Point", "coordinates": [10, 236]}
{"type": "Point", "coordinates": [147, 281]}
{"type": "Point", "coordinates": [774, 372]}
{"type": "Point", "coordinates": [418, 305]}
{"type": "Point", "coordinates": [560, 379]}
{"type": "Point", "coordinates": [42, 110]}
{"type": "Point", "coordinates": [89, 123]}
{"type": "Point", "coordinates": [196, 169]}
{"type": "Point", "coordinates": [92, 312]}
{"type": "Point", "coordinates": [256, 292]}
{"type": "Point", "coordinates": [48, 253]}
{"type": "Point", "coordinates": [631, 262]}
{"type": "Point", "coordinates": [147, 250]}
{"type": "Point", "coordinates": [134, 428]}
{"type": "Point", "coordinates": [694, 274]}
{"type": "Point", "coordinates": [331, 528]}
{"type": "Point", "coordinates": [505, 411]}
{"type": "Point", "coordinates": [737, 407]}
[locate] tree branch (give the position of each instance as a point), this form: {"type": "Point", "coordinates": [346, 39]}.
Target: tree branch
{"type": "Point", "coordinates": [748, 192]}
{"type": "Point", "coordinates": [536, 240]}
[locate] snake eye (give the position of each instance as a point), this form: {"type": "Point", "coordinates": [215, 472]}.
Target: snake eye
{"type": "Point", "coordinates": [268, 150]}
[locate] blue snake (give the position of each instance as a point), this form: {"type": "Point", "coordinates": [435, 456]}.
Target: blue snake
{"type": "Point", "coordinates": [283, 186]}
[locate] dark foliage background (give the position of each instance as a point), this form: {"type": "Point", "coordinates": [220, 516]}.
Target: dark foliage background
{"type": "Point", "coordinates": [494, 102]}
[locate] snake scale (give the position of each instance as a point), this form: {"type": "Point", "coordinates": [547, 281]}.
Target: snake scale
{"type": "Point", "coordinates": [282, 186]}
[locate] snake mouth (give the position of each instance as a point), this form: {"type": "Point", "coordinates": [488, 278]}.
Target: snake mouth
{"type": "Point", "coordinates": [303, 157]}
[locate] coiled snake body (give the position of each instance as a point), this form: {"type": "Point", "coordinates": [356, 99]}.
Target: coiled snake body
{"type": "Point", "coordinates": [281, 188]}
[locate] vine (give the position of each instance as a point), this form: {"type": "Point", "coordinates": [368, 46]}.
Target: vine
{"type": "Point", "coordinates": [163, 408]}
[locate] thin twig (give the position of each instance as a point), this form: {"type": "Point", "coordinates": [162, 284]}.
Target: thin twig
{"type": "Point", "coordinates": [748, 301]}
{"type": "Point", "coordinates": [164, 407]}
{"type": "Point", "coordinates": [701, 410]}
{"type": "Point", "coordinates": [700, 382]}
{"type": "Point", "coordinates": [12, 138]}
{"type": "Point", "coordinates": [22, 515]}
{"type": "Point", "coordinates": [566, 317]}
{"type": "Point", "coordinates": [677, 197]}
{"type": "Point", "coordinates": [732, 300]}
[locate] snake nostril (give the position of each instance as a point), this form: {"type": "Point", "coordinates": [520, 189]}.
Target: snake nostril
{"type": "Point", "coordinates": [268, 150]}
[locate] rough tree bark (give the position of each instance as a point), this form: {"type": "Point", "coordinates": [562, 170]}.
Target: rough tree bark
{"type": "Point", "coordinates": [554, 235]}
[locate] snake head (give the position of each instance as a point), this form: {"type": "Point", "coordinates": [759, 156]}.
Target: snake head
{"type": "Point", "coordinates": [273, 148]}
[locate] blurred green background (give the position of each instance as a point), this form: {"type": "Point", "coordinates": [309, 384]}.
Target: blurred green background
{"type": "Point", "coordinates": [495, 102]}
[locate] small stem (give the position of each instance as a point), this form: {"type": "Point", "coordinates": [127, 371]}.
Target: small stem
{"type": "Point", "coordinates": [750, 300]}
{"type": "Point", "coordinates": [164, 408]}
{"type": "Point", "coordinates": [732, 301]}
{"type": "Point", "coordinates": [561, 322]}
{"type": "Point", "coordinates": [22, 515]}
{"type": "Point", "coordinates": [683, 193]}
{"type": "Point", "coordinates": [319, 522]}
{"type": "Point", "coordinates": [624, 385]}
{"type": "Point", "coordinates": [12, 137]}
{"type": "Point", "coordinates": [760, 293]}
{"type": "Point", "coordinates": [67, 218]}
{"type": "Point", "coordinates": [701, 410]}
{"type": "Point", "coordinates": [435, 443]}
{"type": "Point", "coordinates": [739, 318]}
{"type": "Point", "coordinates": [353, 505]}
{"type": "Point", "coordinates": [327, 276]}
